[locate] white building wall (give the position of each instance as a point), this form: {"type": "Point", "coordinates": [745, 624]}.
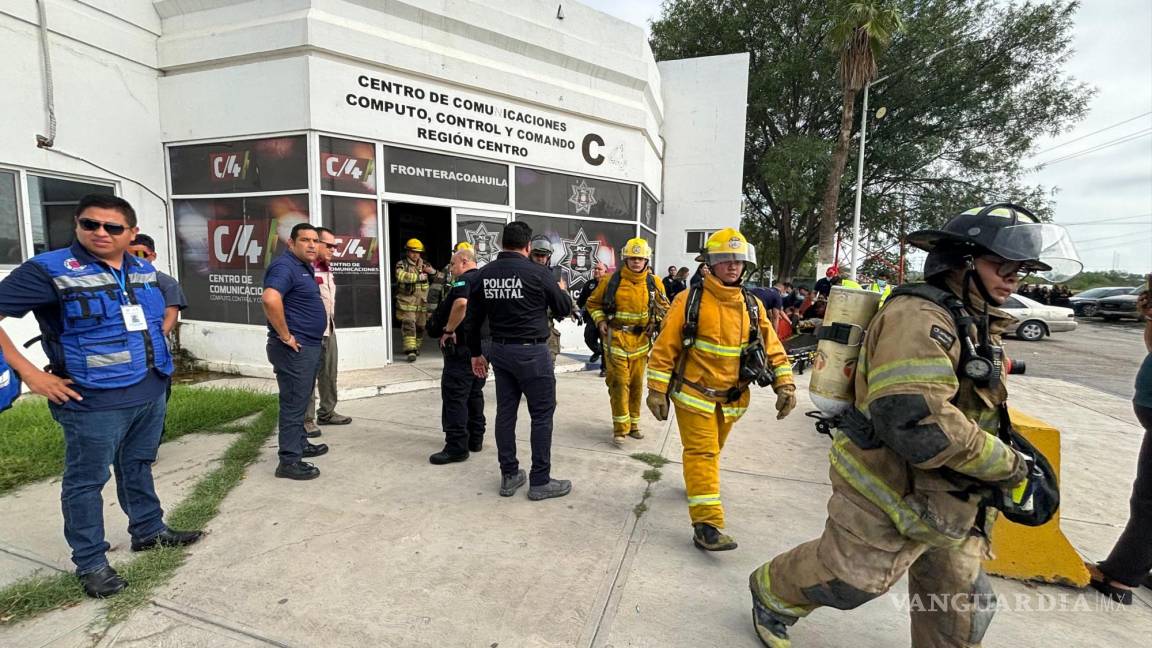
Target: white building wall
{"type": "Point", "coordinates": [103, 55]}
{"type": "Point", "coordinates": [705, 108]}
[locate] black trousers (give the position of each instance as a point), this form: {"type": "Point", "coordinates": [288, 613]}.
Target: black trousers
{"type": "Point", "coordinates": [462, 409]}
{"type": "Point", "coordinates": [524, 370]}
{"type": "Point", "coordinates": [295, 375]}
{"type": "Point", "coordinates": [1131, 558]}
{"type": "Point", "coordinates": [592, 339]}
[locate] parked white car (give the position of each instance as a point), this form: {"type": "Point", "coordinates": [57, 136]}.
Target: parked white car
{"type": "Point", "coordinates": [1035, 320]}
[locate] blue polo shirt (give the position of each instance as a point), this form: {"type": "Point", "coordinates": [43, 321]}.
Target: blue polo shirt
{"type": "Point", "coordinates": [304, 311]}
{"type": "Point", "coordinates": [28, 289]}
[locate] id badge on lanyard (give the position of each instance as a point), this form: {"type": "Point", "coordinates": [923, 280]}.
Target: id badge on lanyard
{"type": "Point", "coordinates": [133, 314]}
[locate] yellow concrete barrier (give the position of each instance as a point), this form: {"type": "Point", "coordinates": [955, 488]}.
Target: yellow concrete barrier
{"type": "Point", "coordinates": [1036, 553]}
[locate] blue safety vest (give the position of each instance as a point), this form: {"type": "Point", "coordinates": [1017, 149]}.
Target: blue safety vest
{"type": "Point", "coordinates": [95, 348]}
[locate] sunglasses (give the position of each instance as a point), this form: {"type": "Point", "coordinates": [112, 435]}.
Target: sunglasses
{"type": "Point", "coordinates": [90, 225]}
{"type": "Point", "coordinates": [1006, 268]}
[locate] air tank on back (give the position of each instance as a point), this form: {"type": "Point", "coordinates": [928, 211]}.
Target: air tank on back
{"type": "Point", "coordinates": [841, 336]}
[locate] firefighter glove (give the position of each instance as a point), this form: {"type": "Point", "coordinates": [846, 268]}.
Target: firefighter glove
{"type": "Point", "coordinates": [658, 405]}
{"type": "Point", "coordinates": [785, 400]}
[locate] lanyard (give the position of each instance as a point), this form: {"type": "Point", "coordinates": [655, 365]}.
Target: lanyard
{"type": "Point", "coordinates": [121, 277]}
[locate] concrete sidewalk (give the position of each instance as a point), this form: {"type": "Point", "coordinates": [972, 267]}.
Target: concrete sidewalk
{"type": "Point", "coordinates": [387, 550]}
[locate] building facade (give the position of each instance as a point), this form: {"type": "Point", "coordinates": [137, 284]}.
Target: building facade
{"type": "Point", "coordinates": [226, 123]}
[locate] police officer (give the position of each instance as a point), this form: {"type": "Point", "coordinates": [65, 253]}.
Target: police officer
{"type": "Point", "coordinates": [109, 397]}
{"type": "Point", "coordinates": [514, 295]}
{"type": "Point", "coordinates": [541, 254]}
{"type": "Point", "coordinates": [412, 276]}
{"type": "Point", "coordinates": [922, 456]}
{"type": "Point", "coordinates": [591, 331]}
{"type": "Point", "coordinates": [462, 392]}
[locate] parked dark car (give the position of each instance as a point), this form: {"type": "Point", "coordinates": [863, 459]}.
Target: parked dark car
{"type": "Point", "coordinates": [1086, 303]}
{"type": "Point", "coordinates": [1113, 308]}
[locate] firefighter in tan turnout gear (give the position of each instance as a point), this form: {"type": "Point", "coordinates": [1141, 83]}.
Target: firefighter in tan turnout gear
{"type": "Point", "coordinates": [925, 457]}
{"type": "Point", "coordinates": [716, 341]}
{"type": "Point", "coordinates": [412, 276]}
{"type": "Point", "coordinates": [627, 308]}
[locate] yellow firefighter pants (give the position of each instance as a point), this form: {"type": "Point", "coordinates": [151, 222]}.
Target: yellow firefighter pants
{"type": "Point", "coordinates": [625, 379]}
{"type": "Point", "coordinates": [703, 436]}
{"type": "Point", "coordinates": [412, 312]}
{"type": "Point", "coordinates": [861, 555]}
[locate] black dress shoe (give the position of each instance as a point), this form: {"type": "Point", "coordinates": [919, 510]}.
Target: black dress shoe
{"type": "Point", "coordinates": [301, 470]}
{"type": "Point", "coordinates": [445, 457]}
{"type": "Point", "coordinates": [476, 445]}
{"type": "Point", "coordinates": [168, 538]}
{"type": "Point", "coordinates": [314, 449]}
{"type": "Point", "coordinates": [102, 583]}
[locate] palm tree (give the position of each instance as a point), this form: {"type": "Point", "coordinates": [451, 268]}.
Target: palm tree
{"type": "Point", "coordinates": [864, 31]}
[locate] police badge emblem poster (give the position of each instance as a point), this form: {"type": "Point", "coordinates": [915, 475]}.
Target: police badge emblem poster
{"type": "Point", "coordinates": [483, 243]}
{"type": "Point", "coordinates": [583, 197]}
{"type": "Point", "coordinates": [578, 260]}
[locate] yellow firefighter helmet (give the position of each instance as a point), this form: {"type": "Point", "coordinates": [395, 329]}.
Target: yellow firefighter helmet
{"type": "Point", "coordinates": [636, 248]}
{"type": "Point", "coordinates": [414, 244]}
{"type": "Point", "coordinates": [462, 245]}
{"type": "Point", "coordinates": [729, 245]}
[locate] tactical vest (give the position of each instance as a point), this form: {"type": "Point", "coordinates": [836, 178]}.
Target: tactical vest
{"type": "Point", "coordinates": [95, 348]}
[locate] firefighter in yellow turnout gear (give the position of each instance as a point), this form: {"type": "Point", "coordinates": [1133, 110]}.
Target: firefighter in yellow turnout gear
{"type": "Point", "coordinates": [412, 274]}
{"type": "Point", "coordinates": [918, 465]}
{"type": "Point", "coordinates": [628, 308]}
{"type": "Point", "coordinates": [706, 367]}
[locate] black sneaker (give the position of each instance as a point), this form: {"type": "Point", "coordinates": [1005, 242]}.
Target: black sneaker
{"type": "Point", "coordinates": [554, 488]}
{"type": "Point", "coordinates": [168, 538]}
{"type": "Point", "coordinates": [445, 457]}
{"type": "Point", "coordinates": [301, 470]}
{"type": "Point", "coordinates": [102, 583]}
{"type": "Point", "coordinates": [593, 358]}
{"type": "Point", "coordinates": [509, 484]}
{"type": "Point", "coordinates": [709, 538]}
{"type": "Point", "coordinates": [314, 450]}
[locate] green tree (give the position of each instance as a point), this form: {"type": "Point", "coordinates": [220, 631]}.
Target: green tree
{"type": "Point", "coordinates": [865, 30]}
{"type": "Point", "coordinates": [955, 131]}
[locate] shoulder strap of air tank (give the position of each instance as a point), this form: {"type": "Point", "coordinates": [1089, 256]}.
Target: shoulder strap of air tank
{"type": "Point", "coordinates": [938, 296]}
{"type": "Point", "coordinates": [753, 306]}
{"type": "Point", "coordinates": [609, 303]}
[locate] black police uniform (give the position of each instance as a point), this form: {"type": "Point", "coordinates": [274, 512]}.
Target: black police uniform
{"type": "Point", "coordinates": [462, 409]}
{"type": "Point", "coordinates": [514, 296]}
{"type": "Point", "coordinates": [591, 331]}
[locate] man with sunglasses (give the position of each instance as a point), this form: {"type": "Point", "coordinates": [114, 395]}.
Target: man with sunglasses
{"type": "Point", "coordinates": [920, 465]}
{"type": "Point", "coordinates": [329, 353]}
{"type": "Point", "coordinates": [144, 247]}
{"type": "Point", "coordinates": [100, 312]}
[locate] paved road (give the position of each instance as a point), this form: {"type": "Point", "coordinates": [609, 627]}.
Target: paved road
{"type": "Point", "coordinates": [1098, 354]}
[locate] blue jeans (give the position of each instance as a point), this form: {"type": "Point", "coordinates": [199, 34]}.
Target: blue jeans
{"type": "Point", "coordinates": [296, 377]}
{"type": "Point", "coordinates": [524, 370]}
{"type": "Point", "coordinates": [127, 440]}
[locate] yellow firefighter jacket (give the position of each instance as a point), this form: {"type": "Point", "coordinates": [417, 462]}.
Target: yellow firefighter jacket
{"type": "Point", "coordinates": [713, 361]}
{"type": "Point", "coordinates": [938, 430]}
{"type": "Point", "coordinates": [411, 284]}
{"type": "Point", "coordinates": [631, 329]}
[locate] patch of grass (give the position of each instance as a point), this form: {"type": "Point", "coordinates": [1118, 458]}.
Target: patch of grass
{"type": "Point", "coordinates": [650, 458]}
{"type": "Point", "coordinates": [32, 444]}
{"type": "Point", "coordinates": [651, 476]}
{"type": "Point", "coordinates": [150, 570]}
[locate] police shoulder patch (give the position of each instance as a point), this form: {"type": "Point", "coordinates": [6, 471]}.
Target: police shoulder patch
{"type": "Point", "coordinates": [457, 284]}
{"type": "Point", "coordinates": [945, 338]}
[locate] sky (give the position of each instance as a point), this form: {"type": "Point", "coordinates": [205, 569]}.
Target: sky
{"type": "Point", "coordinates": [1103, 196]}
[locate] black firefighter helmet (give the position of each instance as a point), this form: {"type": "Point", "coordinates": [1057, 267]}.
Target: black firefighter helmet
{"type": "Point", "coordinates": [1006, 230]}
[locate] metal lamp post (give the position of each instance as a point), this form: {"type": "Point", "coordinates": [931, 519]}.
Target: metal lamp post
{"type": "Point", "coordinates": [860, 160]}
